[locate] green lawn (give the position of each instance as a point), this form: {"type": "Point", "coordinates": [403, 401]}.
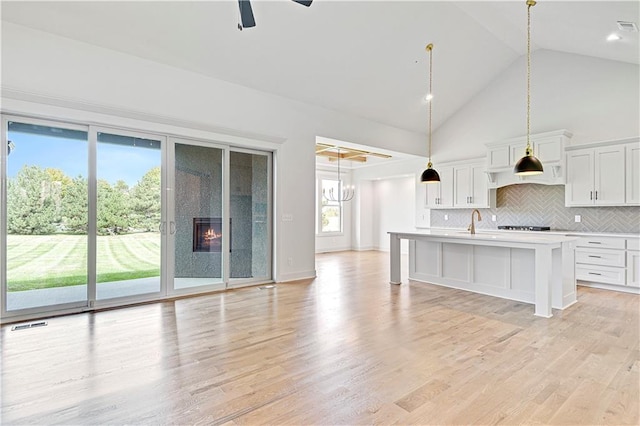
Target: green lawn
{"type": "Point", "coordinates": [45, 261]}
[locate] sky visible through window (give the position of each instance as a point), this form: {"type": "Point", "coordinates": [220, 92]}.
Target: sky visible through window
{"type": "Point", "coordinates": [115, 162]}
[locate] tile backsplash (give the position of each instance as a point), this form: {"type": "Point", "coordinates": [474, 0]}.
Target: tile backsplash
{"type": "Point", "coordinates": [542, 205]}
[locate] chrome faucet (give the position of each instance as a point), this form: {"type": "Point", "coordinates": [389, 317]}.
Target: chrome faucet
{"type": "Point", "coordinates": [472, 227]}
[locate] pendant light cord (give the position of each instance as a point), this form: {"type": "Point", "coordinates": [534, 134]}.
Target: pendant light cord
{"type": "Point", "coordinates": [529, 4]}
{"type": "Point", "coordinates": [339, 178]}
{"type": "Point", "coordinates": [430, 49]}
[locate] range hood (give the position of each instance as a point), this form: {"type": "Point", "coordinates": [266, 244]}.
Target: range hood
{"type": "Point", "coordinates": [548, 147]}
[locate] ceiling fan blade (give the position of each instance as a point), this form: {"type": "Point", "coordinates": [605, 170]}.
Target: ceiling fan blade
{"type": "Point", "coordinates": [304, 2]}
{"type": "Point", "coordinates": [246, 14]}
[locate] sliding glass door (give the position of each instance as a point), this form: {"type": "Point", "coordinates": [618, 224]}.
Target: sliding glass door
{"type": "Point", "coordinates": [250, 207]}
{"type": "Point", "coordinates": [98, 217]}
{"type": "Point", "coordinates": [222, 204]}
{"type": "Point", "coordinates": [128, 214]}
{"type": "Point", "coordinates": [44, 245]}
{"type": "Point", "coordinates": [198, 227]}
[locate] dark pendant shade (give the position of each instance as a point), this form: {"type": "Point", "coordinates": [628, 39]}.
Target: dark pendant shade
{"type": "Point", "coordinates": [528, 166]}
{"type": "Point", "coordinates": [430, 176]}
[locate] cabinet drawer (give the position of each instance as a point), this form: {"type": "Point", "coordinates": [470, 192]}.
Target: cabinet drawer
{"type": "Point", "coordinates": [601, 257]}
{"type": "Point", "coordinates": [633, 243]}
{"type": "Point", "coordinates": [602, 242]}
{"type": "Point", "coordinates": [601, 274]}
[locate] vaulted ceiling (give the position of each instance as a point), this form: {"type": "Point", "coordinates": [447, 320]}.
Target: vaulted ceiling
{"type": "Point", "coordinates": [365, 58]}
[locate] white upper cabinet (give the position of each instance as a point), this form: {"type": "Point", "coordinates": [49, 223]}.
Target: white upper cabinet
{"type": "Point", "coordinates": [470, 189]}
{"type": "Point", "coordinates": [609, 165]}
{"type": "Point", "coordinates": [633, 174]}
{"type": "Point", "coordinates": [462, 185]}
{"type": "Point", "coordinates": [462, 189]}
{"type": "Point", "coordinates": [580, 172]}
{"type": "Point", "coordinates": [596, 176]}
{"type": "Point", "coordinates": [547, 147]}
{"type": "Point", "coordinates": [440, 195]}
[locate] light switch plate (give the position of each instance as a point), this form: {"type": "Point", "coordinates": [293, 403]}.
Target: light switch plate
{"type": "Point", "coordinates": [578, 218]}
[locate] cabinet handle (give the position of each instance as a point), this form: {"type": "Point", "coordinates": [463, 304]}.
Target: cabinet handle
{"type": "Point", "coordinates": [596, 195]}
{"type": "Point", "coordinates": [594, 273]}
{"type": "Point", "coordinates": [591, 195]}
{"type": "Point", "coordinates": [597, 257]}
{"type": "Point", "coordinates": [594, 242]}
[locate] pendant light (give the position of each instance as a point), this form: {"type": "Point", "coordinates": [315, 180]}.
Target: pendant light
{"type": "Point", "coordinates": [528, 165]}
{"type": "Point", "coordinates": [430, 175]}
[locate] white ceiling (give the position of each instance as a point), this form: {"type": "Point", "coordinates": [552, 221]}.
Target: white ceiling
{"type": "Point", "coordinates": [360, 57]}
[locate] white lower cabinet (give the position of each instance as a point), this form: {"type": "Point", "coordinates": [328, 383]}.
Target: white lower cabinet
{"type": "Point", "coordinates": [633, 262]}
{"type": "Point", "coordinates": [612, 261]}
{"type": "Point", "coordinates": [633, 268]}
{"type": "Point", "coordinates": [600, 274]}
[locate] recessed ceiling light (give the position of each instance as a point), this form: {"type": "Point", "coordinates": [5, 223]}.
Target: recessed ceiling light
{"type": "Point", "coordinates": [428, 97]}
{"type": "Point", "coordinates": [613, 37]}
{"type": "Point", "coordinates": [627, 26]}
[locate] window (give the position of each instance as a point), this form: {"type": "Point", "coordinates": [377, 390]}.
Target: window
{"type": "Point", "coordinates": [330, 212]}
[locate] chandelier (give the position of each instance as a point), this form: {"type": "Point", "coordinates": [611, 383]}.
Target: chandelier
{"type": "Point", "coordinates": [345, 193]}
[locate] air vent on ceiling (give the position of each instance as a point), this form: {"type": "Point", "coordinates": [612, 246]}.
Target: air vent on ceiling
{"type": "Point", "coordinates": [628, 26]}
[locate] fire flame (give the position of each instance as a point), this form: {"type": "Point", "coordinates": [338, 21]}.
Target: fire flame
{"type": "Point", "coordinates": [210, 234]}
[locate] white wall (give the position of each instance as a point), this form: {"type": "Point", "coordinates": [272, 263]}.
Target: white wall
{"type": "Point", "coordinates": [363, 208]}
{"type": "Point", "coordinates": [595, 99]}
{"type": "Point", "coordinates": [60, 78]}
{"type": "Point", "coordinates": [393, 209]}
{"type": "Point", "coordinates": [337, 242]}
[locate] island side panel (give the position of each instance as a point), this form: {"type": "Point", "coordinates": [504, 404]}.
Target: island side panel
{"type": "Point", "coordinates": [489, 270]}
{"type": "Point", "coordinates": [425, 261]}
{"type": "Point", "coordinates": [492, 266]}
{"type": "Point", "coordinates": [523, 267]}
{"type": "Point", "coordinates": [457, 261]}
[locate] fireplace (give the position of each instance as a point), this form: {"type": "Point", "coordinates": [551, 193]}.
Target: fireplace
{"type": "Point", "coordinates": [207, 234]}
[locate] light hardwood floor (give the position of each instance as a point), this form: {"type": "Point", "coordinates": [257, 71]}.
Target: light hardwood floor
{"type": "Point", "coordinates": [346, 348]}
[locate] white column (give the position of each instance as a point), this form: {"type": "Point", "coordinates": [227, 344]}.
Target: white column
{"type": "Point", "coordinates": [394, 256]}
{"type": "Point", "coordinates": [543, 279]}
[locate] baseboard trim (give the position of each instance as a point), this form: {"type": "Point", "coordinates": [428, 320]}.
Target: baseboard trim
{"type": "Point", "coordinates": [295, 276]}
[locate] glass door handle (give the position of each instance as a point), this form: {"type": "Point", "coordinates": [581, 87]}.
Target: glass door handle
{"type": "Point", "coordinates": [172, 227]}
{"type": "Point", "coordinates": [162, 227]}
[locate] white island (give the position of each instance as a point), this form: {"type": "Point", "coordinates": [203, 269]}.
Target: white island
{"type": "Point", "coordinates": [533, 268]}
